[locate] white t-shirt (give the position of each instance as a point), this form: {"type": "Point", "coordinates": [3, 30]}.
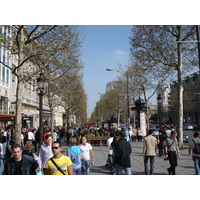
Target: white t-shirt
{"type": "Point", "coordinates": [85, 150]}
{"type": "Point", "coordinates": [109, 141]}
{"type": "Point", "coordinates": [31, 136]}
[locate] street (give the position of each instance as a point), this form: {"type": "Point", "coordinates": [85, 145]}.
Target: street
{"type": "Point", "coordinates": [185, 162]}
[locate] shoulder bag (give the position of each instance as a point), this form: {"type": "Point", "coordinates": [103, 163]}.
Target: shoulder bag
{"type": "Point", "coordinates": [58, 168]}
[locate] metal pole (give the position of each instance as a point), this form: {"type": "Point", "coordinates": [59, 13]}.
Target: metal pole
{"type": "Point", "coordinates": [197, 30]}
{"type": "Point", "coordinates": [128, 109]}
{"type": "Point", "coordinates": [41, 115]}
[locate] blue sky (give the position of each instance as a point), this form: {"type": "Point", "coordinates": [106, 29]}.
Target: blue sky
{"type": "Point", "coordinates": [104, 46]}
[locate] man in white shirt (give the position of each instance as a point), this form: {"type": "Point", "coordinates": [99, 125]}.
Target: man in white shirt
{"type": "Point", "coordinates": [110, 152]}
{"type": "Point", "coordinates": [86, 150]}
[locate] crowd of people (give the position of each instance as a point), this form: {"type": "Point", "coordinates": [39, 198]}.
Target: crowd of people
{"type": "Point", "coordinates": [28, 159]}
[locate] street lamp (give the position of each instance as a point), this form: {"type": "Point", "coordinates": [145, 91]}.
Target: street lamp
{"type": "Point", "coordinates": [127, 91]}
{"type": "Point", "coordinates": [159, 102]}
{"type": "Point", "coordinates": [41, 84]}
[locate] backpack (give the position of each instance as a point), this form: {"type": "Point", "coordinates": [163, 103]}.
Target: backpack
{"type": "Point", "coordinates": [196, 149]}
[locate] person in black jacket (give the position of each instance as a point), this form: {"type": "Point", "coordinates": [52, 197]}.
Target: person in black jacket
{"type": "Point", "coordinates": [122, 155]}
{"type": "Point", "coordinates": [20, 164]}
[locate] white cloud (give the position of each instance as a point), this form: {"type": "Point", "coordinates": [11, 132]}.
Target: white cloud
{"type": "Point", "coordinates": [119, 52]}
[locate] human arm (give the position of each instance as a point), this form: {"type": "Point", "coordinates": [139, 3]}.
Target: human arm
{"type": "Point", "coordinates": [70, 170]}
{"type": "Point", "coordinates": [92, 156]}
{"type": "Point", "coordinates": [177, 150]}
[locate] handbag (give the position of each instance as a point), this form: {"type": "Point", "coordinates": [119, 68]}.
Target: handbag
{"type": "Point", "coordinates": [58, 168]}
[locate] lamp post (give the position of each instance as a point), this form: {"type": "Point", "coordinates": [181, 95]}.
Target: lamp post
{"type": "Point", "coordinates": [127, 92]}
{"type": "Point", "coordinates": [41, 84]}
{"type": "Point", "coordinates": [159, 102]}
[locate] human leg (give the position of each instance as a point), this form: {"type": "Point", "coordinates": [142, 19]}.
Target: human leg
{"type": "Point", "coordinates": [196, 160]}
{"type": "Point", "coordinates": [118, 169]}
{"type": "Point", "coordinates": [152, 160]}
{"type": "Point", "coordinates": [173, 161]}
{"type": "Point", "coordinates": [128, 171]}
{"type": "Point", "coordinates": [146, 171]}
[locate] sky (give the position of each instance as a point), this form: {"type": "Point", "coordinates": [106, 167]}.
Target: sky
{"type": "Point", "coordinates": [104, 46]}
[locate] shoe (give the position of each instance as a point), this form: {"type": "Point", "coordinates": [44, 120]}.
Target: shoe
{"type": "Point", "coordinates": [169, 171]}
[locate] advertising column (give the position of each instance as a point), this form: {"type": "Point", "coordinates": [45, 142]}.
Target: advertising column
{"type": "Point", "coordinates": [143, 122]}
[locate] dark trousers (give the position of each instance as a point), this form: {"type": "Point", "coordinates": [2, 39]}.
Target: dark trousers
{"type": "Point", "coordinates": [173, 161]}
{"type": "Point", "coordinates": [152, 159]}
{"type": "Point", "coordinates": [160, 149]}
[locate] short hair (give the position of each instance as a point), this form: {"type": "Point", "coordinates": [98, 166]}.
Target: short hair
{"type": "Point", "coordinates": [122, 134]}
{"type": "Point", "coordinates": [72, 141]}
{"type": "Point", "coordinates": [15, 146]}
{"type": "Point", "coordinates": [56, 142]}
{"type": "Point", "coordinates": [47, 136]}
{"type": "Point", "coordinates": [173, 132]}
{"type": "Point", "coordinates": [112, 134]}
{"type": "Point", "coordinates": [150, 131]}
{"type": "Point", "coordinates": [29, 145]}
{"type": "Point", "coordinates": [196, 134]}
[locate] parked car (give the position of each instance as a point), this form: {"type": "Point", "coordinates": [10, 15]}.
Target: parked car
{"type": "Point", "coordinates": [187, 127]}
{"type": "Point", "coordinates": [185, 138]}
{"type": "Point", "coordinates": [155, 132]}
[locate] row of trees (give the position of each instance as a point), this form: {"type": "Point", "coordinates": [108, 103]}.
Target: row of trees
{"type": "Point", "coordinates": [56, 51]}
{"type": "Point", "coordinates": [156, 57]}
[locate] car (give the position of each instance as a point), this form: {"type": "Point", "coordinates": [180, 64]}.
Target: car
{"type": "Point", "coordinates": [155, 132]}
{"type": "Point", "coordinates": [187, 127]}
{"type": "Point", "coordinates": [185, 138]}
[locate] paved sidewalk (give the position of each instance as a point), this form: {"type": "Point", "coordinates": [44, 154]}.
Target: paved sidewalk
{"type": "Point", "coordinates": [185, 162]}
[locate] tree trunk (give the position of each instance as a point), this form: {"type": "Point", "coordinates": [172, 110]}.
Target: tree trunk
{"type": "Point", "coordinates": [18, 119]}
{"type": "Point", "coordinates": [180, 96]}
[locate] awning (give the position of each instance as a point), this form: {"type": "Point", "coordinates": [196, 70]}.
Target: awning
{"type": "Point", "coordinates": [6, 117]}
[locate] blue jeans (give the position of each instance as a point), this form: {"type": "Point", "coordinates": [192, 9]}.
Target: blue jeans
{"type": "Point", "coordinates": [152, 160]}
{"type": "Point", "coordinates": [196, 160]}
{"type": "Point", "coordinates": [77, 171]}
{"type": "Point", "coordinates": [119, 169]}
{"type": "Point", "coordinates": [85, 167]}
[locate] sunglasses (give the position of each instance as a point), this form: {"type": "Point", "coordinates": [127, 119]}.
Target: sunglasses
{"type": "Point", "coordinates": [54, 147]}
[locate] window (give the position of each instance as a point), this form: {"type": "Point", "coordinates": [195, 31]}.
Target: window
{"type": "Point", "coordinates": [4, 105]}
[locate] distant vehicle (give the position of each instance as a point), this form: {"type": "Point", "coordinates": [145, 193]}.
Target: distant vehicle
{"type": "Point", "coordinates": [155, 132]}
{"type": "Point", "coordinates": [187, 127]}
{"type": "Point", "coordinates": [185, 138]}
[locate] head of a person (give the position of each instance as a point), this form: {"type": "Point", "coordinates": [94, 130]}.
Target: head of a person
{"type": "Point", "coordinates": [150, 132]}
{"type": "Point", "coordinates": [173, 134]}
{"type": "Point", "coordinates": [17, 152]}
{"type": "Point", "coordinates": [112, 134]}
{"type": "Point", "coordinates": [84, 139]}
{"type": "Point", "coordinates": [122, 134]}
{"type": "Point", "coordinates": [49, 139]}
{"type": "Point", "coordinates": [29, 146]}
{"type": "Point", "coordinates": [3, 139]}
{"type": "Point", "coordinates": [196, 134]}
{"type": "Point", "coordinates": [72, 141]}
{"type": "Point", "coordinates": [56, 148]}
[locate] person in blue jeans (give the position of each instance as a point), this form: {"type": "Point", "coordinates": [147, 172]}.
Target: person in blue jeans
{"type": "Point", "coordinates": [195, 156]}
{"type": "Point", "coordinates": [122, 155]}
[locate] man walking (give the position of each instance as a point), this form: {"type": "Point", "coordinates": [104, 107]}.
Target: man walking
{"type": "Point", "coordinates": [149, 152]}
{"type": "Point", "coordinates": [59, 164]}
{"type": "Point", "coordinates": [194, 152]}
{"type": "Point", "coordinates": [122, 155]}
{"type": "Point", "coordinates": [171, 152]}
{"type": "Point", "coordinates": [20, 164]}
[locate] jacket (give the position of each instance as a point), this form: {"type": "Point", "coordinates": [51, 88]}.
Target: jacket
{"type": "Point", "coordinates": [122, 153]}
{"type": "Point", "coordinates": [149, 146]}
{"type": "Point", "coordinates": [29, 165]}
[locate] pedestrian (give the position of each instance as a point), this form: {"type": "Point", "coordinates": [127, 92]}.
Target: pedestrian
{"type": "Point", "coordinates": [139, 134]}
{"type": "Point", "coordinates": [3, 145]}
{"type": "Point", "coordinates": [171, 152]}
{"type": "Point", "coordinates": [127, 132]}
{"type": "Point", "coordinates": [87, 153]}
{"type": "Point", "coordinates": [45, 153]}
{"type": "Point", "coordinates": [28, 150]}
{"type": "Point", "coordinates": [195, 154]}
{"type": "Point", "coordinates": [122, 155]}
{"type": "Point", "coordinates": [20, 164]}
{"type": "Point", "coordinates": [160, 139]}
{"type": "Point", "coordinates": [74, 153]}
{"type": "Point", "coordinates": [149, 152]}
{"type": "Point", "coordinates": [110, 152]}
{"type": "Point", "coordinates": [59, 164]}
